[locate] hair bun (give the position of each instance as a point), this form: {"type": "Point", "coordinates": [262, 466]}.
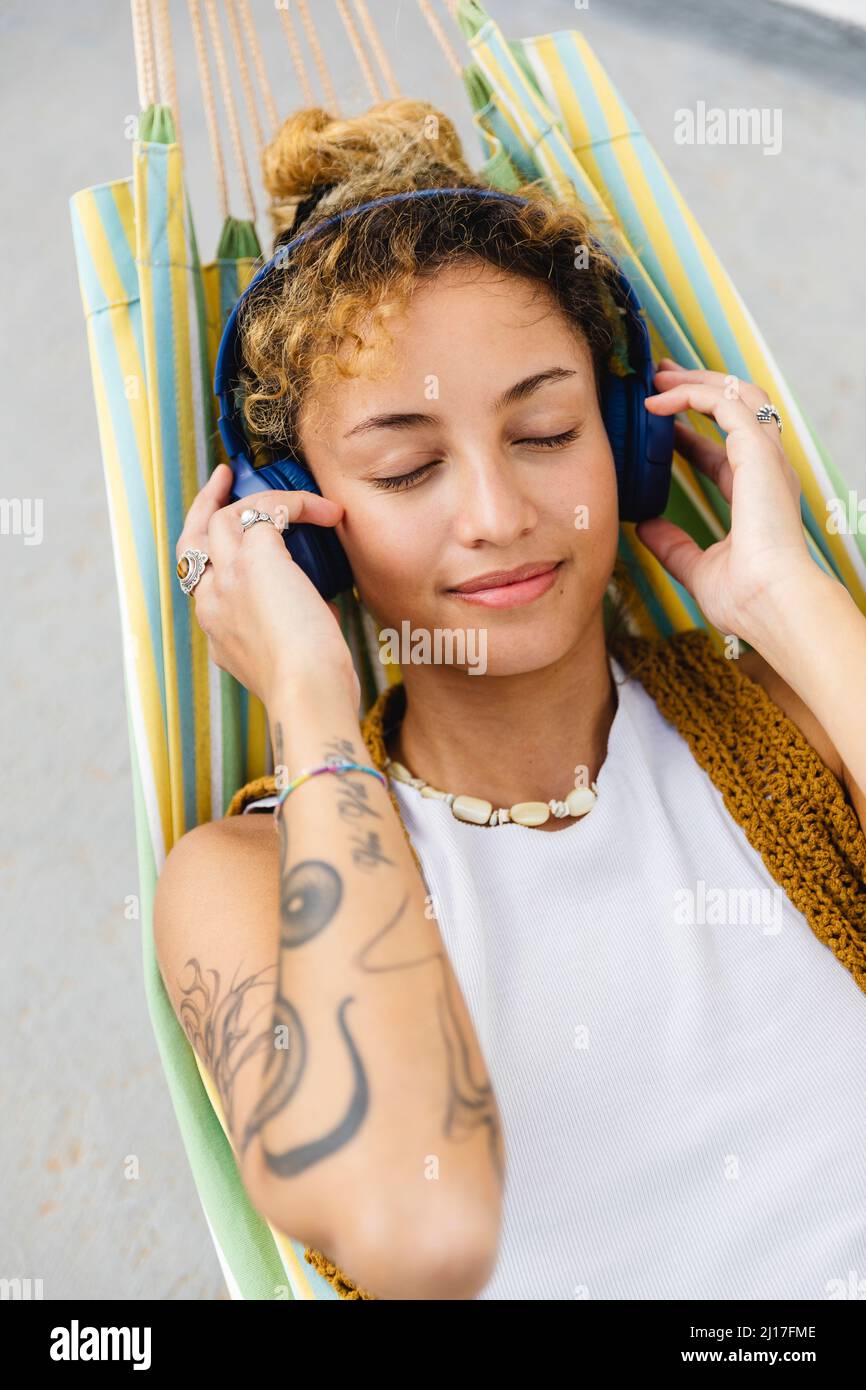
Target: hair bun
{"type": "Point", "coordinates": [397, 143]}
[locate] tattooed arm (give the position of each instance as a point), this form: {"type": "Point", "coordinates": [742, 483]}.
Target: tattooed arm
{"type": "Point", "coordinates": [317, 991]}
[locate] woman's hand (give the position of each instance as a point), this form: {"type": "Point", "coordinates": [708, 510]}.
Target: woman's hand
{"type": "Point", "coordinates": [765, 549]}
{"type": "Point", "coordinates": [266, 622]}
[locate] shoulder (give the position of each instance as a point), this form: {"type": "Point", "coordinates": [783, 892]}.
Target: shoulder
{"type": "Point", "coordinates": [213, 867]}
{"type": "Point", "coordinates": [757, 669]}
{"type": "Point", "coordinates": [233, 835]}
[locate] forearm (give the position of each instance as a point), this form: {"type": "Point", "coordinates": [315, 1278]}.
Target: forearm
{"type": "Point", "coordinates": [812, 633]}
{"type": "Point", "coordinates": [382, 1091]}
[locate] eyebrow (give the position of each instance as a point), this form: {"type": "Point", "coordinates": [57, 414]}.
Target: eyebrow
{"type": "Point", "coordinates": [396, 420]}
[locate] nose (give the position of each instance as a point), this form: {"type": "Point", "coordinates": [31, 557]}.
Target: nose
{"type": "Point", "coordinates": [491, 502]}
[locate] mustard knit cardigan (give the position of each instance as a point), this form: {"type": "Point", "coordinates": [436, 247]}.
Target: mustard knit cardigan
{"type": "Point", "coordinates": [792, 808]}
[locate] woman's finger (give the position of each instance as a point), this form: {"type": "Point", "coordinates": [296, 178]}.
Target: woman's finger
{"type": "Point", "coordinates": [707, 455]}
{"type": "Point", "coordinates": [225, 531]}
{"type": "Point", "coordinates": [672, 547]}
{"type": "Point", "coordinates": [732, 413]}
{"type": "Point", "coordinates": [734, 387]}
{"type": "Point", "coordinates": [212, 496]}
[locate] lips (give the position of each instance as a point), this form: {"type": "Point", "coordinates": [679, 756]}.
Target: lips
{"type": "Point", "coordinates": [499, 579]}
{"type": "Point", "coordinates": [495, 591]}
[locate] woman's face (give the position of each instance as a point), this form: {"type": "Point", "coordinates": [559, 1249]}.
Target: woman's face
{"type": "Point", "coordinates": [451, 468]}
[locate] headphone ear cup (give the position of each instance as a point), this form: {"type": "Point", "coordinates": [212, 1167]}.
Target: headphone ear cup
{"type": "Point", "coordinates": [642, 447]}
{"type": "Point", "coordinates": [616, 414]}
{"type": "Point", "coordinates": [321, 556]}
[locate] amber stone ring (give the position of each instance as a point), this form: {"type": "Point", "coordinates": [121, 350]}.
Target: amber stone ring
{"type": "Point", "coordinates": [190, 568]}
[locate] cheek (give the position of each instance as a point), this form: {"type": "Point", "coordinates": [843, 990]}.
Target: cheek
{"type": "Point", "coordinates": [392, 550]}
{"type": "Point", "coordinates": [586, 498]}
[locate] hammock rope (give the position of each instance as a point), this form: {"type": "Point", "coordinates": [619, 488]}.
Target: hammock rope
{"type": "Point", "coordinates": [255, 48]}
{"type": "Point", "coordinates": [318, 56]}
{"type": "Point", "coordinates": [378, 48]}
{"type": "Point", "coordinates": [144, 60]}
{"type": "Point", "coordinates": [246, 80]}
{"type": "Point", "coordinates": [165, 69]}
{"type": "Point", "coordinates": [296, 55]}
{"type": "Point", "coordinates": [355, 40]}
{"type": "Point", "coordinates": [229, 105]}
{"type": "Point", "coordinates": [210, 110]}
{"type": "Point", "coordinates": [441, 37]}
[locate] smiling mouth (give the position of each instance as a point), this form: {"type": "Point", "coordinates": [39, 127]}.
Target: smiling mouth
{"type": "Point", "coordinates": [510, 594]}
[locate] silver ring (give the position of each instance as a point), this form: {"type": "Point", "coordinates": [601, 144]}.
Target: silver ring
{"type": "Point", "coordinates": [250, 516]}
{"type": "Point", "coordinates": [190, 568]}
{"type": "Point", "coordinates": [768, 413]}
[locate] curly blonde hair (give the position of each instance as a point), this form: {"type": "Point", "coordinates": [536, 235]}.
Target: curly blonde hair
{"type": "Point", "coordinates": [323, 316]}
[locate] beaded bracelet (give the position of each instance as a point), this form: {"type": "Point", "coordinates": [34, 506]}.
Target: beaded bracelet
{"type": "Point", "coordinates": [338, 765]}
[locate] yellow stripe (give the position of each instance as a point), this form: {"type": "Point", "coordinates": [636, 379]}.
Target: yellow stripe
{"type": "Point", "coordinates": [257, 737]}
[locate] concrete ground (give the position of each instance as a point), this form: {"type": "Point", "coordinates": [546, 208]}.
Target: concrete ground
{"type": "Point", "coordinates": [82, 1086]}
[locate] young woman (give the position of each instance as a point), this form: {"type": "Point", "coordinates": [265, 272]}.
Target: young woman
{"type": "Point", "coordinates": [463, 1055]}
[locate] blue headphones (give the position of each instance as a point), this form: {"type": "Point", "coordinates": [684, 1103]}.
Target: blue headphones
{"type": "Point", "coordinates": [642, 444]}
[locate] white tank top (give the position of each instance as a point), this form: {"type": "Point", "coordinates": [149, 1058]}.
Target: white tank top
{"type": "Point", "coordinates": [679, 1062]}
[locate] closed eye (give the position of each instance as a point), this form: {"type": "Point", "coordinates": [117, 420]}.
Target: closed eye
{"type": "Point", "coordinates": [553, 441]}
{"type": "Point", "coordinates": [404, 480]}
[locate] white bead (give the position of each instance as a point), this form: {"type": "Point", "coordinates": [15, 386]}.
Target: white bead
{"type": "Point", "coordinates": [580, 801]}
{"type": "Point", "coordinates": [400, 772]}
{"type": "Point", "coordinates": [530, 813]}
{"type": "Point", "coordinates": [434, 792]}
{"type": "Point", "coordinates": [471, 809]}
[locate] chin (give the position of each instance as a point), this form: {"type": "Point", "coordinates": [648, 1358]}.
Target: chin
{"type": "Point", "coordinates": [530, 646]}
{"type": "Point", "coordinates": [518, 658]}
